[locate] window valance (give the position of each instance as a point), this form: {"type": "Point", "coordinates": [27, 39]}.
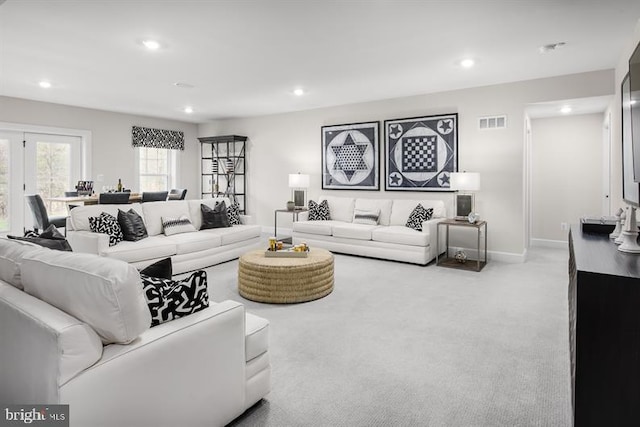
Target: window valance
{"type": "Point", "coordinates": [157, 138]}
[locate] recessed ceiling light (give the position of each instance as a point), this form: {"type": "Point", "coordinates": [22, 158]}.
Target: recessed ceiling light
{"type": "Point", "coordinates": [298, 92]}
{"type": "Point", "coordinates": [188, 110]}
{"type": "Point", "coordinates": [550, 47]}
{"type": "Point", "coordinates": [633, 101]}
{"type": "Point", "coordinates": [45, 84]}
{"type": "Point", "coordinates": [565, 110]}
{"type": "Point", "coordinates": [467, 63]}
{"type": "Point", "coordinates": [151, 44]}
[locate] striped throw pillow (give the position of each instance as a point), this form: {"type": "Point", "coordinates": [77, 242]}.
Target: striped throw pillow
{"type": "Point", "coordinates": [173, 226]}
{"type": "Point", "coordinates": [361, 216]}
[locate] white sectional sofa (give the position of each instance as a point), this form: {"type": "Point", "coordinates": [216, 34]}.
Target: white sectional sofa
{"type": "Point", "coordinates": [389, 239]}
{"type": "Point", "coordinates": [75, 330]}
{"type": "Point", "coordinates": [188, 251]}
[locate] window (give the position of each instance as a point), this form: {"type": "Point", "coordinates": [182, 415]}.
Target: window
{"type": "Point", "coordinates": [156, 168]}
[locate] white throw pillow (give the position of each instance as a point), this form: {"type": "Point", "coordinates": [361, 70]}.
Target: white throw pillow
{"type": "Point", "coordinates": [361, 216]}
{"type": "Point", "coordinates": [173, 226]}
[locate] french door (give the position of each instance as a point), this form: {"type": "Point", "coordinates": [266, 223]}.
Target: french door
{"type": "Point", "coordinates": [35, 163]}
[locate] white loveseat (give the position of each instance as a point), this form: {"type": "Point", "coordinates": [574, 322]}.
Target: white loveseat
{"type": "Point", "coordinates": [389, 239]}
{"type": "Point", "coordinates": [188, 251]}
{"type": "Point", "coordinates": [75, 330]}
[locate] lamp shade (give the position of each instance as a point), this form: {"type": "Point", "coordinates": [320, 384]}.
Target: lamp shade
{"type": "Point", "coordinates": [465, 181]}
{"type": "Point", "coordinates": [298, 180]}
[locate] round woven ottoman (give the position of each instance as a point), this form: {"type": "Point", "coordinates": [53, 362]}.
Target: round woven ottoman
{"type": "Point", "coordinates": [285, 280]}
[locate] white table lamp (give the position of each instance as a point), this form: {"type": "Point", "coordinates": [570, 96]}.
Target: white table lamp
{"type": "Point", "coordinates": [298, 182]}
{"type": "Point", "coordinates": [465, 181]}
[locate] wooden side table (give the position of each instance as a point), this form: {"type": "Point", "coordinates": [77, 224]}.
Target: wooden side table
{"type": "Point", "coordinates": [295, 214]}
{"type": "Point", "coordinates": [451, 262]}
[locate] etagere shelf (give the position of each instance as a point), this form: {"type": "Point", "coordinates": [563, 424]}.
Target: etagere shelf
{"type": "Point", "coordinates": [223, 168]}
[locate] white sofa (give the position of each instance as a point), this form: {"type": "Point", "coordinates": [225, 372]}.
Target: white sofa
{"type": "Point", "coordinates": [188, 251]}
{"type": "Point", "coordinates": [75, 330]}
{"type": "Point", "coordinates": [389, 239]}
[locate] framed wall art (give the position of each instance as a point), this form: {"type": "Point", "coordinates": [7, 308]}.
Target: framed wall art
{"type": "Point", "coordinates": [350, 156]}
{"type": "Point", "coordinates": [421, 153]}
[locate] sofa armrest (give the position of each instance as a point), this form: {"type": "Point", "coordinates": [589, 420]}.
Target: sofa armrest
{"type": "Point", "coordinates": [303, 216]}
{"type": "Point", "coordinates": [432, 227]}
{"type": "Point", "coordinates": [191, 368]}
{"type": "Point", "coordinates": [87, 241]}
{"type": "Point", "coordinates": [247, 219]}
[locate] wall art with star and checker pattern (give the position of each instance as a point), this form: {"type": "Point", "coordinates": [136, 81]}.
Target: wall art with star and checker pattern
{"type": "Point", "coordinates": [421, 153]}
{"type": "Point", "coordinates": [350, 156]}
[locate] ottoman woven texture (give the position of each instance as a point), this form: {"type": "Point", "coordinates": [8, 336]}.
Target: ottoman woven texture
{"type": "Point", "coordinates": [285, 280]}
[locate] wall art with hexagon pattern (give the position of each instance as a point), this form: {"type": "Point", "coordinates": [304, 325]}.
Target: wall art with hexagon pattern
{"type": "Point", "coordinates": [421, 153]}
{"type": "Point", "coordinates": [350, 156]}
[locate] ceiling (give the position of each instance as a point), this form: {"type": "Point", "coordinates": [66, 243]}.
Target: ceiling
{"type": "Point", "coordinates": [245, 57]}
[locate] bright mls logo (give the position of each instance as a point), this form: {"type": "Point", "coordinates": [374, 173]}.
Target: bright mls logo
{"type": "Point", "coordinates": [37, 415]}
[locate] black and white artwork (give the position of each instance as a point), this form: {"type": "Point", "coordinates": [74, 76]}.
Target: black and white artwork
{"type": "Point", "coordinates": [421, 153]}
{"type": "Point", "coordinates": [350, 156]}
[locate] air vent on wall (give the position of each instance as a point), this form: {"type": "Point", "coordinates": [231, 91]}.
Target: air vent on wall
{"type": "Point", "coordinates": [492, 122]}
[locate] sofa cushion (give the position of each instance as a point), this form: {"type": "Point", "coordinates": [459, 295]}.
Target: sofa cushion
{"type": "Point", "coordinates": [401, 209]}
{"type": "Point", "coordinates": [418, 216]}
{"type": "Point", "coordinates": [366, 217]}
{"type": "Point", "coordinates": [107, 224]}
{"type": "Point", "coordinates": [182, 224]}
{"type": "Point", "coordinates": [237, 233]}
{"type": "Point", "coordinates": [319, 211]}
{"type": "Point", "coordinates": [383, 205]}
{"type": "Point", "coordinates": [11, 255]}
{"type": "Point", "coordinates": [150, 248]}
{"type": "Point", "coordinates": [104, 293]}
{"type": "Point", "coordinates": [154, 211]}
{"type": "Point", "coordinates": [168, 299]}
{"type": "Point", "coordinates": [215, 217]}
{"type": "Point", "coordinates": [80, 214]}
{"type": "Point", "coordinates": [401, 235]}
{"type": "Point", "coordinates": [324, 228]}
{"type": "Point", "coordinates": [256, 336]}
{"type": "Point", "coordinates": [195, 242]}
{"type": "Point", "coordinates": [162, 269]}
{"type": "Point", "coordinates": [195, 209]}
{"type": "Point", "coordinates": [233, 212]}
{"type": "Point", "coordinates": [132, 225]}
{"type": "Point", "coordinates": [50, 238]}
{"type": "Point", "coordinates": [354, 231]}
{"type": "Point", "coordinates": [341, 208]}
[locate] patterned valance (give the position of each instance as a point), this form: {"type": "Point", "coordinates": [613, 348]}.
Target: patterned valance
{"type": "Point", "coordinates": [157, 138]}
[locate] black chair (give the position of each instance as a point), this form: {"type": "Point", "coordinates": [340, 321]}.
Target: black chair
{"type": "Point", "coordinates": [41, 219]}
{"type": "Point", "coordinates": [113, 198]}
{"type": "Point", "coordinates": [177, 194]}
{"type": "Point", "coordinates": [154, 196]}
{"type": "Point", "coordinates": [70, 194]}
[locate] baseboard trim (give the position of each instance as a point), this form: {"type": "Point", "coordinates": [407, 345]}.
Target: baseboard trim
{"type": "Point", "coordinates": [546, 243]}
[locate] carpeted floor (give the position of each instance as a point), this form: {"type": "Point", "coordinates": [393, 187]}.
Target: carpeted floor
{"type": "Point", "coordinates": [403, 345]}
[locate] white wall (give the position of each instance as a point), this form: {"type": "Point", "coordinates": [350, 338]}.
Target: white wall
{"type": "Point", "coordinates": [566, 171]}
{"type": "Point", "coordinates": [112, 153]}
{"type": "Point", "coordinates": [285, 143]}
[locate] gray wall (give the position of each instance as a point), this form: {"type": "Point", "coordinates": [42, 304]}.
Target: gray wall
{"type": "Point", "coordinates": [286, 143]}
{"type": "Point", "coordinates": [566, 171]}
{"type": "Point", "coordinates": [112, 153]}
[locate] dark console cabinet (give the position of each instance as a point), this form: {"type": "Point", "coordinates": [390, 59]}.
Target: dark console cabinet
{"type": "Point", "coordinates": [604, 331]}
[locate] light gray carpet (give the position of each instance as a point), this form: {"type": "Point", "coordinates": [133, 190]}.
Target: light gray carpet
{"type": "Point", "coordinates": [403, 345]}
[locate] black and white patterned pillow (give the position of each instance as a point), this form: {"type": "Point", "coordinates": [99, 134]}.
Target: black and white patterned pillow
{"type": "Point", "coordinates": [233, 213]}
{"type": "Point", "coordinates": [169, 299]}
{"type": "Point", "coordinates": [172, 226]}
{"type": "Point", "coordinates": [418, 216]}
{"type": "Point", "coordinates": [107, 224]}
{"type": "Point", "coordinates": [319, 212]}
